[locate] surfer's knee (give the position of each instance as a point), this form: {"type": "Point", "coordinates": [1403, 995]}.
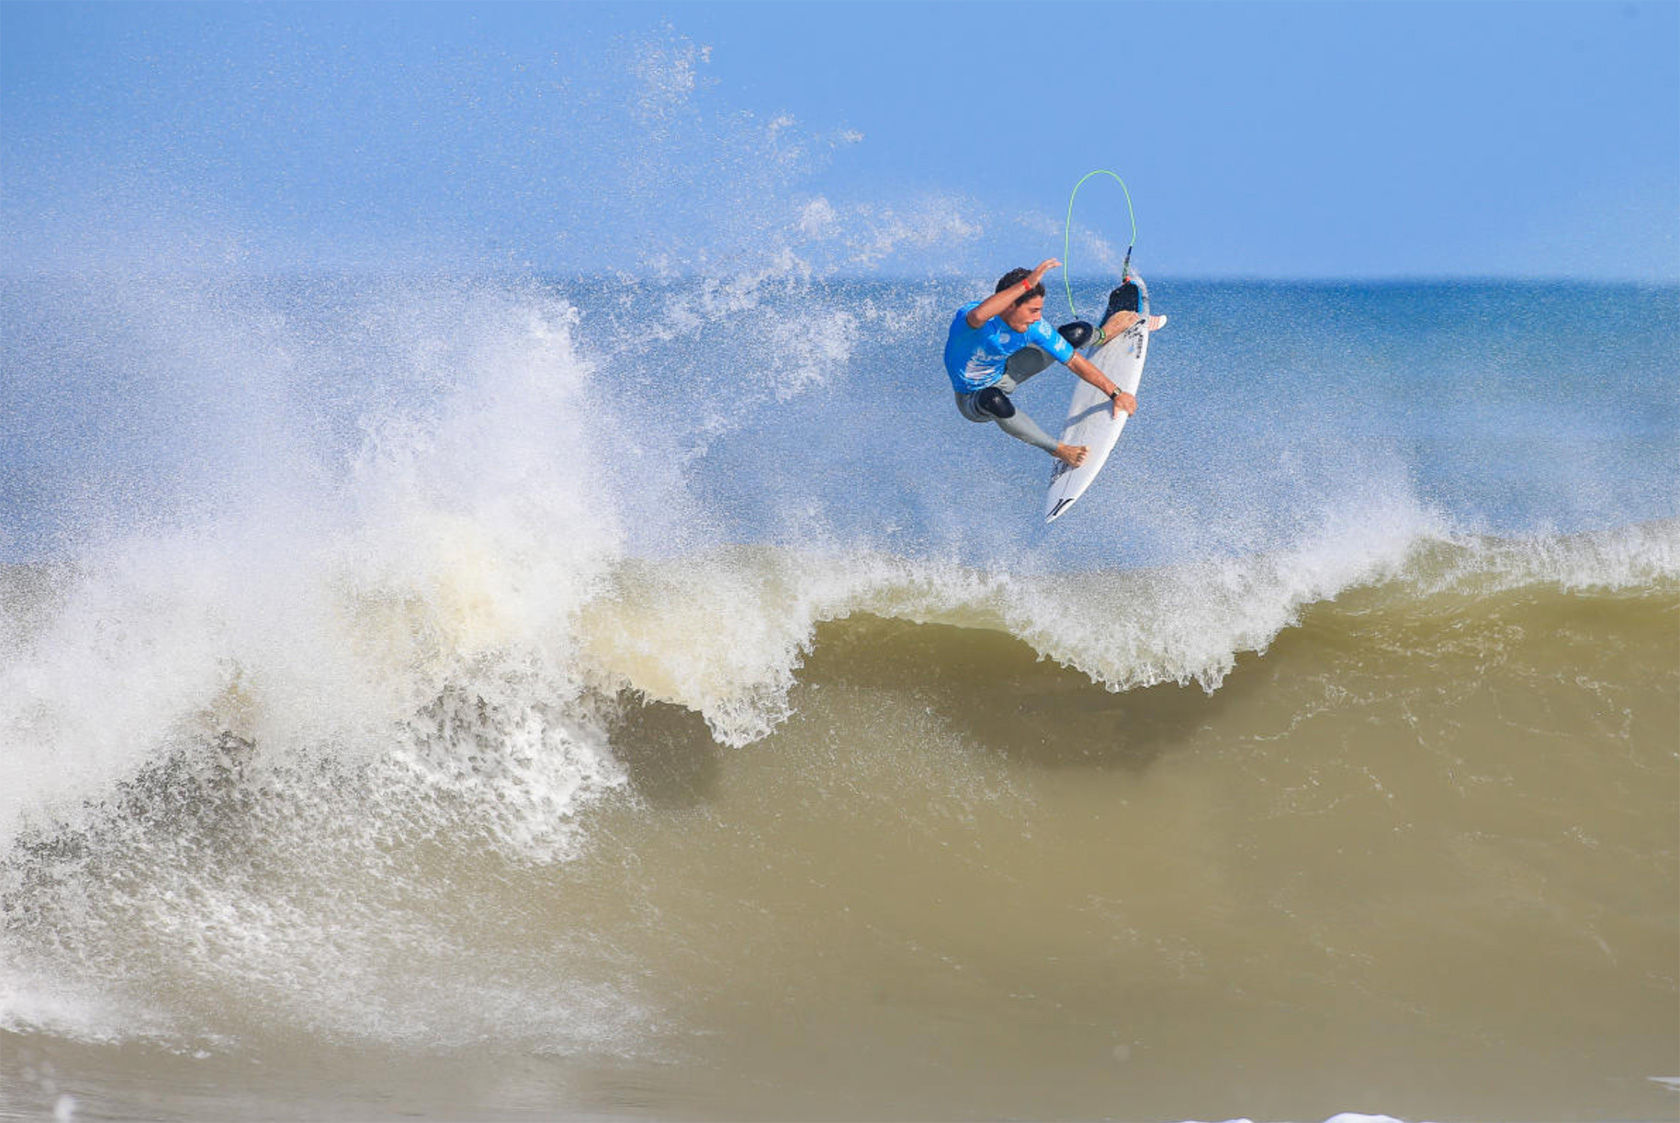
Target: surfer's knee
{"type": "Point", "coordinates": [994, 403]}
{"type": "Point", "coordinates": [1078, 333]}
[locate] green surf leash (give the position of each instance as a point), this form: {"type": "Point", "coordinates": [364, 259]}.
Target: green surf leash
{"type": "Point", "coordinates": [1067, 235]}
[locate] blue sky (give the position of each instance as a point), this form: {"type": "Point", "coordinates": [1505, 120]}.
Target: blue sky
{"type": "Point", "coordinates": [1258, 139]}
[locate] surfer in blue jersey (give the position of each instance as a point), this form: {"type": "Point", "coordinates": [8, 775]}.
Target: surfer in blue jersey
{"type": "Point", "coordinates": [998, 343]}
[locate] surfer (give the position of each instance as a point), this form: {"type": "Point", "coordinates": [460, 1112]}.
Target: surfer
{"type": "Point", "coordinates": [998, 343]}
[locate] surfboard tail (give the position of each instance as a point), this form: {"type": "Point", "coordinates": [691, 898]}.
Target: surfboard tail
{"type": "Point", "coordinates": [1129, 296]}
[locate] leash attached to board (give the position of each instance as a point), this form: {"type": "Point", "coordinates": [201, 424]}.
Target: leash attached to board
{"type": "Point", "coordinates": [1067, 236]}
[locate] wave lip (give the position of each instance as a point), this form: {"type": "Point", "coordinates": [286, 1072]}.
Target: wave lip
{"type": "Point", "coordinates": [724, 634]}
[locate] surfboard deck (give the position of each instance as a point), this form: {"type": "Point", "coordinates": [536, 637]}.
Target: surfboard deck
{"type": "Point", "coordinates": [1090, 420]}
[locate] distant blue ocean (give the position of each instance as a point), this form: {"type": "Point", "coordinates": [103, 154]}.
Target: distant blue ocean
{"type": "Point", "coordinates": [653, 698]}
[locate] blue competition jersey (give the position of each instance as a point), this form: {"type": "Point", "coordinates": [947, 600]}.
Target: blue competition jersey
{"type": "Point", "coordinates": [974, 357]}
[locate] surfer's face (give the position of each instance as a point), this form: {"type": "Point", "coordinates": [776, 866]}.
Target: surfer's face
{"type": "Point", "coordinates": [1025, 314]}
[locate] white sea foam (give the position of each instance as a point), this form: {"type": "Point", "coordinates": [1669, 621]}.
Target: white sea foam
{"type": "Point", "coordinates": [1343, 1117]}
{"type": "Point", "coordinates": [319, 611]}
{"type": "Point", "coordinates": [371, 655]}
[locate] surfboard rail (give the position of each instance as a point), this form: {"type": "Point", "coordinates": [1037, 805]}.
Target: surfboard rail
{"type": "Point", "coordinates": [1090, 417]}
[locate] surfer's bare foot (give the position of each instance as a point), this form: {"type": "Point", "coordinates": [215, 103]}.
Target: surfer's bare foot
{"type": "Point", "coordinates": [1156, 323]}
{"type": "Point", "coordinates": [1118, 323]}
{"type": "Point", "coordinates": [1071, 455]}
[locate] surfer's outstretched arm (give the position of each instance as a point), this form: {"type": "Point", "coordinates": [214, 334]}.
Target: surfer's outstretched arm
{"type": "Point", "coordinates": [1000, 302]}
{"type": "Point", "coordinates": [1083, 367]}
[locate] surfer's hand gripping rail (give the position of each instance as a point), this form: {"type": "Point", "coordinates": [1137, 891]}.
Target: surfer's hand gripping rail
{"type": "Point", "coordinates": [1121, 400]}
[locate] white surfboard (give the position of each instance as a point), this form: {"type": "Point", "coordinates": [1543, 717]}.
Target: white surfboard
{"type": "Point", "coordinates": [1090, 420]}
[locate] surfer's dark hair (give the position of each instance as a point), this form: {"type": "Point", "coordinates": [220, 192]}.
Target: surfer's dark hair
{"type": "Point", "coordinates": [1015, 277]}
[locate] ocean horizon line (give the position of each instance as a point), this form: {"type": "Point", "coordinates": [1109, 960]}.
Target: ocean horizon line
{"type": "Point", "coordinates": [507, 274]}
